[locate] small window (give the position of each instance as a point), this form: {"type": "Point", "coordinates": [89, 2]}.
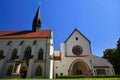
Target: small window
{"type": "Point", "coordinates": [14, 54]}
{"type": "Point", "coordinates": [56, 75]}
{"type": "Point", "coordinates": [9, 43]}
{"type": "Point", "coordinates": [27, 54]}
{"type": "Point", "coordinates": [9, 70]}
{"type": "Point", "coordinates": [34, 42]}
{"type": "Point", "coordinates": [40, 54]}
{"type": "Point", "coordinates": [21, 43]}
{"type": "Point", "coordinates": [101, 72]}
{"type": "Point", "coordinates": [38, 71]}
{"type": "Point", "coordinates": [76, 38]}
{"type": "Point", "coordinates": [61, 74]}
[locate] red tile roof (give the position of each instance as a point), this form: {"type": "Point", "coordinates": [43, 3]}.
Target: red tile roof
{"type": "Point", "coordinates": [57, 57]}
{"type": "Point", "coordinates": [25, 34]}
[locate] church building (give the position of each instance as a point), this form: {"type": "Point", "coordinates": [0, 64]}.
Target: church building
{"type": "Point", "coordinates": [75, 58]}
{"type": "Point", "coordinates": [31, 54]}
{"type": "Point", "coordinates": [27, 53]}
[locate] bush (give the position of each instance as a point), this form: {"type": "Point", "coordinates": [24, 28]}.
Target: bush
{"type": "Point", "coordinates": [83, 76]}
{"type": "Point", "coordinates": [107, 76]}
{"type": "Point", "coordinates": [73, 76]}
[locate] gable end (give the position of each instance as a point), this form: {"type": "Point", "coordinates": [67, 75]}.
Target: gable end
{"type": "Point", "coordinates": [80, 33]}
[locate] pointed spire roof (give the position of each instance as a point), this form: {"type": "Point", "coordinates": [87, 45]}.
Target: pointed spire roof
{"type": "Point", "coordinates": [37, 21]}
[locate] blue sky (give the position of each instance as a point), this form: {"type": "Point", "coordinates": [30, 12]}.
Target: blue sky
{"type": "Point", "coordinates": [98, 20]}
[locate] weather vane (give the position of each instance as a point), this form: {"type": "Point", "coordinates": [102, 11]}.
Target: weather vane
{"type": "Point", "coordinates": [39, 3]}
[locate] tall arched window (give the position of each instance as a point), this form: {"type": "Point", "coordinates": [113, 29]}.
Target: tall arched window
{"type": "Point", "coordinates": [14, 54]}
{"type": "Point", "coordinates": [38, 71]}
{"type": "Point", "coordinates": [1, 54]}
{"type": "Point", "coordinates": [40, 54]}
{"type": "Point", "coordinates": [27, 53]}
{"type": "Point", "coordinates": [9, 70]}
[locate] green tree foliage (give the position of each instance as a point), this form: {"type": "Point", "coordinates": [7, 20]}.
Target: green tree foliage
{"type": "Point", "coordinates": [113, 56]}
{"type": "Point", "coordinates": [109, 54]}
{"type": "Point", "coordinates": [117, 54]}
{"type": "Point", "coordinates": [118, 45]}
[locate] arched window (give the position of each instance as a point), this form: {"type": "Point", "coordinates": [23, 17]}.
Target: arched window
{"type": "Point", "coordinates": [27, 53]}
{"type": "Point", "coordinates": [40, 54]}
{"type": "Point", "coordinates": [14, 54]}
{"type": "Point", "coordinates": [9, 70]}
{"type": "Point", "coordinates": [38, 71]}
{"type": "Point", "coordinates": [1, 54]}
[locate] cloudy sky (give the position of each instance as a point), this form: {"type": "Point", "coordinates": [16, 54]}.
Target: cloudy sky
{"type": "Point", "coordinates": [98, 20]}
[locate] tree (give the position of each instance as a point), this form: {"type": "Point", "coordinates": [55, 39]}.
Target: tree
{"type": "Point", "coordinates": [118, 45]}
{"type": "Point", "coordinates": [117, 54]}
{"type": "Point", "coordinates": [109, 54]}
{"type": "Point", "coordinates": [113, 56]}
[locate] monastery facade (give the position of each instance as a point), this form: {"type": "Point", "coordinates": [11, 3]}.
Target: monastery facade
{"type": "Point", "coordinates": [31, 54]}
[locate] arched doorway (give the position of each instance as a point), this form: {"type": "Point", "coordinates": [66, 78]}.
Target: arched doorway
{"type": "Point", "coordinates": [23, 72]}
{"type": "Point", "coordinates": [76, 69]}
{"type": "Point", "coordinates": [79, 67]}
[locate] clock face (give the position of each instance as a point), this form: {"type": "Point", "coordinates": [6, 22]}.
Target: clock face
{"type": "Point", "coordinates": [77, 50]}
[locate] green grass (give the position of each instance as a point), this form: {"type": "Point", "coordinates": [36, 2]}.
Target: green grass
{"type": "Point", "coordinates": [69, 79]}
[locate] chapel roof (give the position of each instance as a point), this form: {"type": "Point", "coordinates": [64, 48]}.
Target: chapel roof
{"type": "Point", "coordinates": [99, 62]}
{"type": "Point", "coordinates": [25, 34]}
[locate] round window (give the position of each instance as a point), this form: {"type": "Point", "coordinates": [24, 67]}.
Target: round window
{"type": "Point", "coordinates": [76, 38]}
{"type": "Point", "coordinates": [77, 50]}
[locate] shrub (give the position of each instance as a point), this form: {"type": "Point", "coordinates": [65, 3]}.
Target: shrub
{"type": "Point", "coordinates": [107, 76]}
{"type": "Point", "coordinates": [73, 76]}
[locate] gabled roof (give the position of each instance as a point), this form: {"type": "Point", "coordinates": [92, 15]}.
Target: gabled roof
{"type": "Point", "coordinates": [80, 34]}
{"type": "Point", "coordinates": [25, 34]}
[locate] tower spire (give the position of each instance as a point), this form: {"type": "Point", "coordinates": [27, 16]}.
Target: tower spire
{"type": "Point", "coordinates": [36, 25]}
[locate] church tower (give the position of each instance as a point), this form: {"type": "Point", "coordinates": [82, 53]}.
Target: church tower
{"type": "Point", "coordinates": [36, 25]}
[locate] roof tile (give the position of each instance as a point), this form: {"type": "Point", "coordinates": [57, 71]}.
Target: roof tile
{"type": "Point", "coordinates": [25, 34]}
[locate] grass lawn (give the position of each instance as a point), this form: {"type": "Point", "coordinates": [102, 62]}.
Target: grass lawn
{"type": "Point", "coordinates": [69, 79]}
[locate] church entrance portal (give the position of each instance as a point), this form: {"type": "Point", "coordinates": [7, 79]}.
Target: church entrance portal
{"type": "Point", "coordinates": [76, 69]}
{"type": "Point", "coordinates": [79, 67]}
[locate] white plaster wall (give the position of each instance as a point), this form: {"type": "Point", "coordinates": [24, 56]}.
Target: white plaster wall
{"type": "Point", "coordinates": [83, 42]}
{"type": "Point", "coordinates": [57, 53]}
{"type": "Point", "coordinates": [63, 65]}
{"type": "Point", "coordinates": [3, 65]}
{"type": "Point", "coordinates": [41, 43]}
